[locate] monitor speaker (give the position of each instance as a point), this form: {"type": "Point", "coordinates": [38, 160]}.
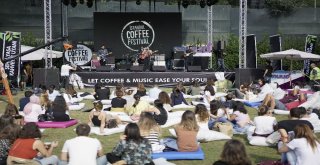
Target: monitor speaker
{"type": "Point", "coordinates": [159, 68]}
{"type": "Point", "coordinates": [194, 68]}
{"type": "Point", "coordinates": [136, 68]}
{"type": "Point", "coordinates": [123, 66]}
{"type": "Point", "coordinates": [106, 68]}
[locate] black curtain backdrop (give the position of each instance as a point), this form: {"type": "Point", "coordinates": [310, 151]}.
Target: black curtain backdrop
{"type": "Point", "coordinates": [110, 28]}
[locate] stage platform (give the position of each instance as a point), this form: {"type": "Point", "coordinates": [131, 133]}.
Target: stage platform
{"type": "Point", "coordinates": [168, 78]}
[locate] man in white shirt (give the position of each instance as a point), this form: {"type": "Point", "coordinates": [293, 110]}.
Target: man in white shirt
{"type": "Point", "coordinates": [65, 73]}
{"type": "Point", "coordinates": [154, 92]}
{"type": "Point", "coordinates": [82, 149]}
{"type": "Point", "coordinates": [52, 92]}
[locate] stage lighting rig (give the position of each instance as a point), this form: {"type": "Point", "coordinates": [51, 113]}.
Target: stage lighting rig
{"type": "Point", "coordinates": [212, 2]}
{"type": "Point", "coordinates": [202, 4]}
{"type": "Point", "coordinates": [73, 3]}
{"type": "Point", "coordinates": [138, 2]}
{"type": "Point", "coordinates": [89, 3]}
{"type": "Point", "coordinates": [185, 3]}
{"type": "Point", "coordinates": [66, 2]}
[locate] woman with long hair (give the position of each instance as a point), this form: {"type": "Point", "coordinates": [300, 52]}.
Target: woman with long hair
{"type": "Point", "coordinates": [71, 95]}
{"type": "Point", "coordinates": [240, 118]}
{"type": "Point", "coordinates": [165, 100]}
{"type": "Point", "coordinates": [132, 148]}
{"type": "Point", "coordinates": [25, 149]}
{"type": "Point", "coordinates": [186, 132]}
{"type": "Point", "coordinates": [305, 146]}
{"type": "Point", "coordinates": [149, 129]}
{"type": "Point", "coordinates": [160, 114]}
{"type": "Point", "coordinates": [234, 153]}
{"type": "Point", "coordinates": [7, 136]}
{"type": "Point", "coordinates": [45, 102]}
{"type": "Point", "coordinates": [12, 110]}
{"type": "Point", "coordinates": [177, 97]}
{"type": "Point", "coordinates": [60, 110]}
{"type": "Point", "coordinates": [218, 113]}
{"type": "Point", "coordinates": [202, 116]}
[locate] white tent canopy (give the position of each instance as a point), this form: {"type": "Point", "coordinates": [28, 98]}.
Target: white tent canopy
{"type": "Point", "coordinates": [38, 54]}
{"type": "Point", "coordinates": [290, 54]}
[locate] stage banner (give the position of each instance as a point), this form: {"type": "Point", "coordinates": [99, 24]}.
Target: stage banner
{"type": "Point", "coordinates": [1, 43]}
{"type": "Point", "coordinates": [125, 34]}
{"type": "Point", "coordinates": [148, 78]}
{"type": "Point", "coordinates": [11, 48]}
{"type": "Point", "coordinates": [310, 48]}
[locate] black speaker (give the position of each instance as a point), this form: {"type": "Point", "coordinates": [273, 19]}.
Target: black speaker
{"type": "Point", "coordinates": [251, 52]}
{"type": "Point", "coordinates": [247, 75]}
{"type": "Point", "coordinates": [178, 55]}
{"type": "Point", "coordinates": [159, 68]}
{"type": "Point", "coordinates": [106, 68]}
{"type": "Point", "coordinates": [275, 46]}
{"type": "Point", "coordinates": [178, 64]}
{"type": "Point", "coordinates": [136, 68]}
{"type": "Point", "coordinates": [194, 68]}
{"type": "Point", "coordinates": [123, 66]}
{"type": "Point", "coordinates": [47, 77]}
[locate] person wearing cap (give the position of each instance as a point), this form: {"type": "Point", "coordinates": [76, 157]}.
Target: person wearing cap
{"type": "Point", "coordinates": [314, 76]}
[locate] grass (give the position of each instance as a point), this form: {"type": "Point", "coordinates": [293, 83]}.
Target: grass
{"type": "Point", "coordinates": [212, 149]}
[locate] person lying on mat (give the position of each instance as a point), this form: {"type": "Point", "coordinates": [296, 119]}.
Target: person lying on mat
{"type": "Point", "coordinates": [273, 103]}
{"type": "Point", "coordinates": [99, 118]}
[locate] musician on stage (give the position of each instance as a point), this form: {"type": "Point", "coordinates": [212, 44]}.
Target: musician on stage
{"type": "Point", "coordinates": [144, 58]}
{"type": "Point", "coordinates": [103, 53]}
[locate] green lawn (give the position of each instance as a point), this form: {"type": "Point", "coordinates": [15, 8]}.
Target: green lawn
{"type": "Point", "coordinates": [212, 149]}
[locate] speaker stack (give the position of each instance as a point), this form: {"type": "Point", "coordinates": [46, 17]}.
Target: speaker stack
{"type": "Point", "coordinates": [136, 68]}
{"type": "Point", "coordinates": [107, 68]}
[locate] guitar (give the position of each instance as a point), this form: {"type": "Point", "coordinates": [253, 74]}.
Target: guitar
{"type": "Point", "coordinates": [146, 54]}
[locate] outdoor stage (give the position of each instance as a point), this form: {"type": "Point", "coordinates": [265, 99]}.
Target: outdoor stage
{"type": "Point", "coordinates": [148, 78]}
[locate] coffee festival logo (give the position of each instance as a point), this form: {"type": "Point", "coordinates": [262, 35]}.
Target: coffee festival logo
{"type": "Point", "coordinates": [79, 56]}
{"type": "Point", "coordinates": [137, 34]}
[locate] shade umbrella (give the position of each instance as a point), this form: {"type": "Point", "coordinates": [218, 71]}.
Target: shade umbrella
{"type": "Point", "coordinates": [291, 55]}
{"type": "Point", "coordinates": [38, 54]}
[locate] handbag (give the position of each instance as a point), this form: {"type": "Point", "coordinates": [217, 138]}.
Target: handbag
{"type": "Point", "coordinates": [225, 128]}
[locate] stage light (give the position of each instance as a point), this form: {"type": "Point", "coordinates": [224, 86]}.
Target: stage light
{"type": "Point", "coordinates": [138, 2]}
{"type": "Point", "coordinates": [185, 3]}
{"type": "Point", "coordinates": [212, 2]}
{"type": "Point", "coordinates": [81, 2]}
{"type": "Point", "coordinates": [90, 3]}
{"type": "Point", "coordinates": [66, 2]}
{"type": "Point", "coordinates": [73, 3]}
{"type": "Point", "coordinates": [202, 4]}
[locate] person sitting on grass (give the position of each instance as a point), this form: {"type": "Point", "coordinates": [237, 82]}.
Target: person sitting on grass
{"type": "Point", "coordinates": [60, 110]}
{"type": "Point", "coordinates": [177, 97]}
{"type": "Point", "coordinates": [25, 100]}
{"type": "Point", "coordinates": [25, 149]}
{"type": "Point", "coordinates": [82, 149]}
{"type": "Point", "coordinates": [239, 118]}
{"type": "Point", "coordinates": [118, 103]}
{"type": "Point", "coordinates": [150, 130]}
{"type": "Point", "coordinates": [160, 114]}
{"type": "Point", "coordinates": [132, 148]}
{"type": "Point", "coordinates": [101, 92]}
{"type": "Point", "coordinates": [305, 146]}
{"type": "Point", "coordinates": [233, 153]}
{"type": "Point", "coordinates": [218, 113]}
{"type": "Point", "coordinates": [7, 136]}
{"type": "Point", "coordinates": [186, 132]}
{"type": "Point", "coordinates": [52, 92]}
{"type": "Point", "coordinates": [264, 122]}
{"type": "Point", "coordinates": [202, 116]}
{"type": "Point", "coordinates": [99, 118]}
{"type": "Point", "coordinates": [33, 109]}
{"type": "Point", "coordinates": [165, 100]}
{"type": "Point", "coordinates": [141, 90]}
{"type": "Point", "coordinates": [12, 111]}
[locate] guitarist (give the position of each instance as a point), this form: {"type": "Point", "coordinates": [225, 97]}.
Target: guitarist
{"type": "Point", "coordinates": [144, 58]}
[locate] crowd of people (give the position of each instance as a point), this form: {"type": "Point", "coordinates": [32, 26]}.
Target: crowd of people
{"type": "Point", "coordinates": [20, 137]}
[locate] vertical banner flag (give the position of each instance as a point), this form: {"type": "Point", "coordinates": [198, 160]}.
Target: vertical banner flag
{"type": "Point", "coordinates": [309, 48]}
{"type": "Point", "coordinates": [11, 48]}
{"type": "Point", "coordinates": [1, 43]}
